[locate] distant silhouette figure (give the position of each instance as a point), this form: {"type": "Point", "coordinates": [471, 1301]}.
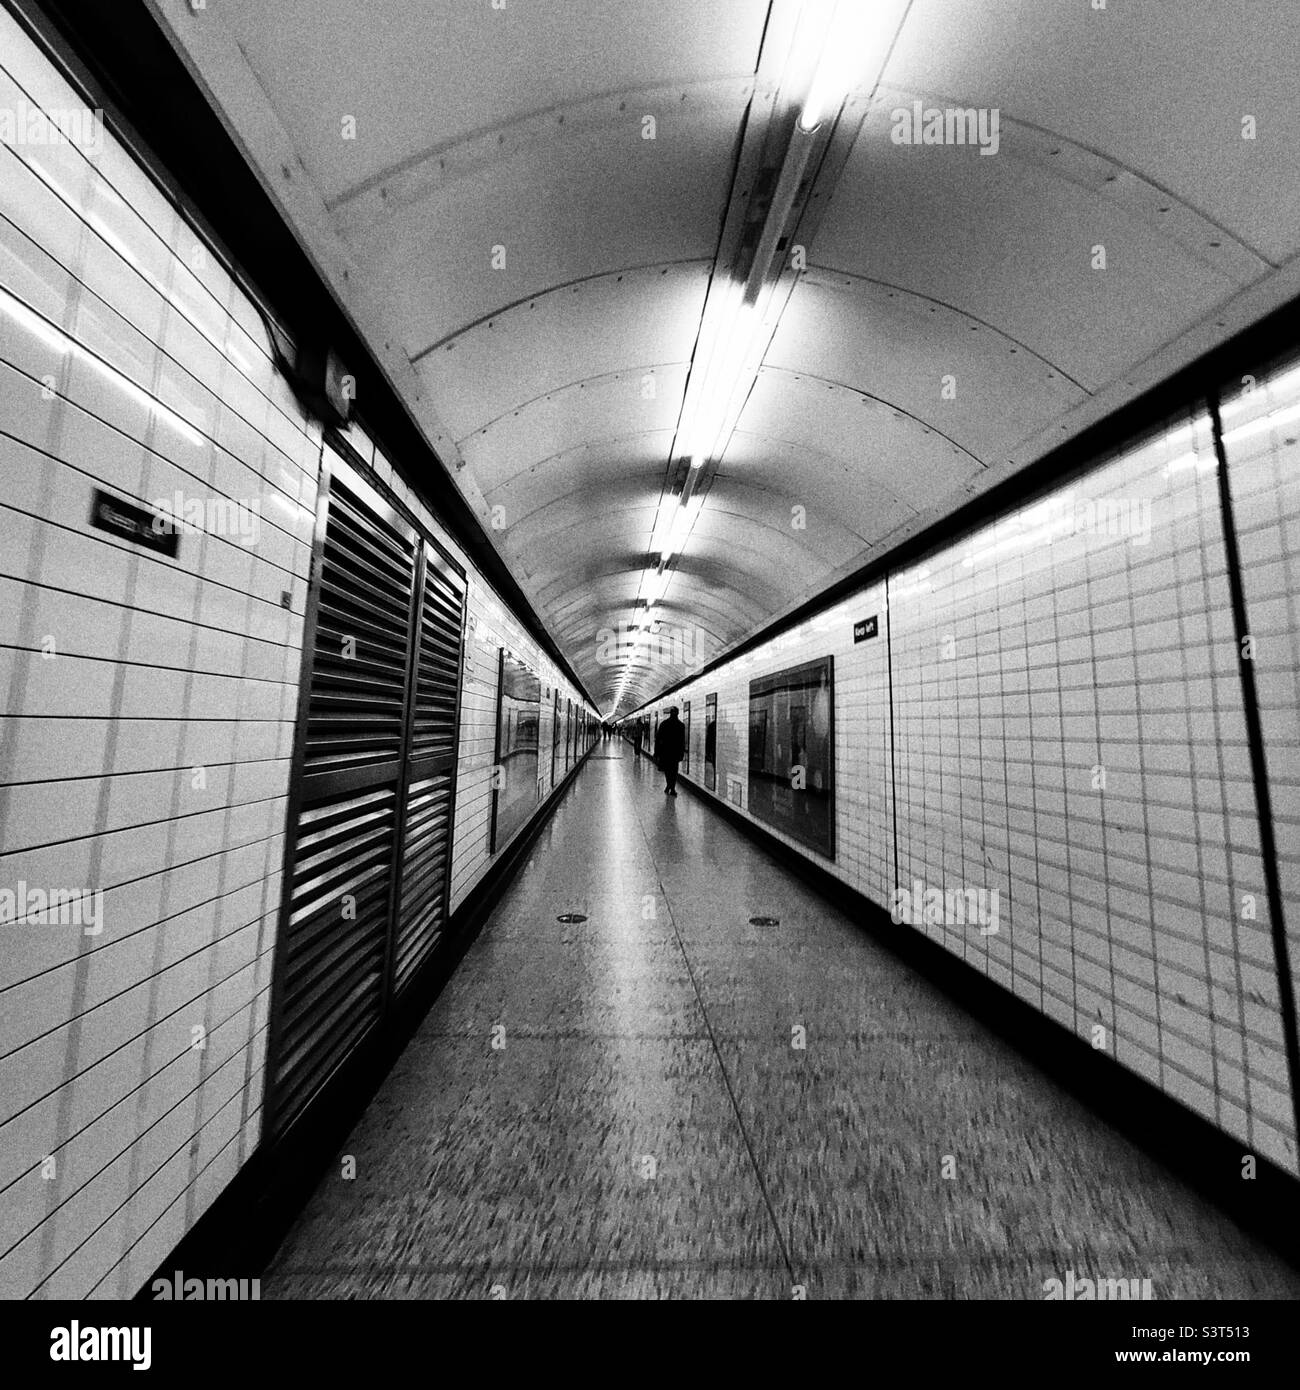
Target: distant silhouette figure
{"type": "Point", "coordinates": [670, 746]}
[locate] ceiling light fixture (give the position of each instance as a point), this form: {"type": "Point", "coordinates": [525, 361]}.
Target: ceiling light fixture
{"type": "Point", "coordinates": [670, 537]}
{"type": "Point", "coordinates": [724, 374]}
{"type": "Point", "coordinates": [730, 363]}
{"type": "Point", "coordinates": [834, 41]}
{"type": "Point", "coordinates": [668, 505]}
{"type": "Point", "coordinates": [847, 41]}
{"type": "Point", "coordinates": [653, 586]}
{"type": "Point", "coordinates": [727, 326]}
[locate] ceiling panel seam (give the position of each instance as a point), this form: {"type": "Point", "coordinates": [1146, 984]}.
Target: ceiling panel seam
{"type": "Point", "coordinates": [1062, 171]}
{"type": "Point", "coordinates": [616, 273]}
{"type": "Point", "coordinates": [578, 383]}
{"type": "Point", "coordinates": [556, 122]}
{"type": "Point", "coordinates": [895, 289]}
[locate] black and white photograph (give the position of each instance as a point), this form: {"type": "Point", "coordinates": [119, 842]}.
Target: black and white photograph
{"type": "Point", "coordinates": [650, 652]}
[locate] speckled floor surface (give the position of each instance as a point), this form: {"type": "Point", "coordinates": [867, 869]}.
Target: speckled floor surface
{"type": "Point", "coordinates": [647, 1129]}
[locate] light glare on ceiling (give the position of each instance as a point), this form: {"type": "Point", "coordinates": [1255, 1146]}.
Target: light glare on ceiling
{"type": "Point", "coordinates": [842, 60]}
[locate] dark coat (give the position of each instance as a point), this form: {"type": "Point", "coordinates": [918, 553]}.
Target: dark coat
{"type": "Point", "coordinates": [670, 742]}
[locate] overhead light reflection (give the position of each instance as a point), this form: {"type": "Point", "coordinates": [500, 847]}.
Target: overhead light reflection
{"type": "Point", "coordinates": [60, 341]}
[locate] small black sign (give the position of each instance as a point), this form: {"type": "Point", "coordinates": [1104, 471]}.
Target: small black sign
{"type": "Point", "coordinates": [867, 628]}
{"type": "Point", "coordinates": [153, 530]}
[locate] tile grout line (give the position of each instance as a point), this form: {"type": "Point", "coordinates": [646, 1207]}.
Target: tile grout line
{"type": "Point", "coordinates": [717, 1052]}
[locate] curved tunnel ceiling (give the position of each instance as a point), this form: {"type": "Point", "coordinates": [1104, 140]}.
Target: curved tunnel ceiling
{"type": "Point", "coordinates": [479, 187]}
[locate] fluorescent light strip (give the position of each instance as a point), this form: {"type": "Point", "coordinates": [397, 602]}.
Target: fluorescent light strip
{"type": "Point", "coordinates": [847, 39]}
{"type": "Point", "coordinates": [653, 586]}
{"type": "Point", "coordinates": [732, 348]}
{"type": "Point", "coordinates": [721, 311]}
{"type": "Point", "coordinates": [840, 35]}
{"type": "Point", "coordinates": [682, 522]}
{"type": "Point", "coordinates": [668, 505]}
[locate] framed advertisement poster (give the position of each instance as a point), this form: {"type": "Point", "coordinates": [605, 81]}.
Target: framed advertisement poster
{"type": "Point", "coordinates": [791, 753]}
{"type": "Point", "coordinates": [519, 717]}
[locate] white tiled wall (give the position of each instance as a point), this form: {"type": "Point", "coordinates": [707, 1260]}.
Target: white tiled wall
{"type": "Point", "coordinates": [492, 626]}
{"type": "Point", "coordinates": [148, 709]}
{"type": "Point", "coordinates": [1262, 441]}
{"type": "Point", "coordinates": [1069, 731]}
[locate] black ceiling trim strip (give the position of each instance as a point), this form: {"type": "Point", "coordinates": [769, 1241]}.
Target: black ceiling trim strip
{"type": "Point", "coordinates": [119, 57]}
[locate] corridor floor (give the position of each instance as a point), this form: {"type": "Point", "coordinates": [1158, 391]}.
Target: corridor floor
{"type": "Point", "coordinates": [645, 1127]}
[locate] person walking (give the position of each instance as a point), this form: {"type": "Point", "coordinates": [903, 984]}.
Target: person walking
{"type": "Point", "coordinates": [670, 745]}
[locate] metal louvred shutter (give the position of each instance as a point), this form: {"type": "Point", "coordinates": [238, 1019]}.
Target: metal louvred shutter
{"type": "Point", "coordinates": [330, 986]}
{"type": "Point", "coordinates": [356, 719]}
{"type": "Point", "coordinates": [427, 819]}
{"type": "Point", "coordinates": [425, 865]}
{"type": "Point", "coordinates": [333, 975]}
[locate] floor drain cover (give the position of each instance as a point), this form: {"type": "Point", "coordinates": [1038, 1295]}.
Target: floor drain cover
{"type": "Point", "coordinates": [764, 921]}
{"type": "Point", "coordinates": [572, 917]}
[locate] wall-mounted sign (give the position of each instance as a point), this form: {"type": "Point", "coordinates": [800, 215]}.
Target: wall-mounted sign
{"type": "Point", "coordinates": [139, 525]}
{"type": "Point", "coordinates": [866, 628]}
